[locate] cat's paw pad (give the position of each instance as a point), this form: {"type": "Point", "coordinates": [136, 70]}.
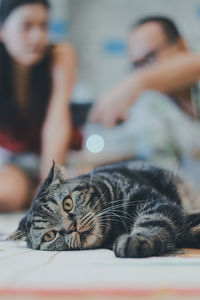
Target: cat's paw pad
{"type": "Point", "coordinates": [132, 246]}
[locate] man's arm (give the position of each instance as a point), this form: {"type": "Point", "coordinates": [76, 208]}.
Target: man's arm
{"type": "Point", "coordinates": [56, 132]}
{"type": "Point", "coordinates": [172, 75]}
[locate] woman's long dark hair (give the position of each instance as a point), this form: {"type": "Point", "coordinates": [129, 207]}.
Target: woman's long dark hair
{"type": "Point", "coordinates": [39, 92]}
{"type": "Point", "coordinates": [11, 119]}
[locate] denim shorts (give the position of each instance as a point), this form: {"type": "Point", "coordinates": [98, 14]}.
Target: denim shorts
{"type": "Point", "coordinates": [27, 162]}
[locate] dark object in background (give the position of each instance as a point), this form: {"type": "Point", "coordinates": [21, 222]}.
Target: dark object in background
{"type": "Point", "coordinates": [79, 113]}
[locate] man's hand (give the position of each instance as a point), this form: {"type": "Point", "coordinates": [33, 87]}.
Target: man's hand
{"type": "Point", "coordinates": [109, 110]}
{"type": "Point", "coordinates": [172, 75]}
{"type": "Point", "coordinates": [112, 108]}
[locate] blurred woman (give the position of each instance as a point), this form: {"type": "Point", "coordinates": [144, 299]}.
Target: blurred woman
{"type": "Point", "coordinates": [36, 79]}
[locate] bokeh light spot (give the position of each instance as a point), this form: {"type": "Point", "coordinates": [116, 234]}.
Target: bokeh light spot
{"type": "Point", "coordinates": [95, 143]}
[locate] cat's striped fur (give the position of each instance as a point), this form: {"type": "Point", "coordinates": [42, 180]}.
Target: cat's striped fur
{"type": "Point", "coordinates": [137, 209]}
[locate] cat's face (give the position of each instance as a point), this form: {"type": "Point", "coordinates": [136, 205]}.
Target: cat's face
{"type": "Point", "coordinates": [62, 216]}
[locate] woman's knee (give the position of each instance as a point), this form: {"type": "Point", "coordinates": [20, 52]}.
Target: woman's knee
{"type": "Point", "coordinates": [14, 189]}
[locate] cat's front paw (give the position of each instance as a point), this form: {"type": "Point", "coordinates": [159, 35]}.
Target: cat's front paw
{"type": "Point", "coordinates": [134, 246]}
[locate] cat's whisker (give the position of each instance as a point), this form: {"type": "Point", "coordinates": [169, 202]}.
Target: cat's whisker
{"type": "Point", "coordinates": [110, 208]}
{"type": "Point", "coordinates": [118, 216]}
{"type": "Point", "coordinates": [86, 216]}
{"type": "Point", "coordinates": [98, 201]}
{"type": "Point", "coordinates": [124, 217]}
{"type": "Point", "coordinates": [119, 221]}
{"type": "Point", "coordinates": [113, 218]}
{"type": "Point", "coordinates": [120, 201]}
{"type": "Point", "coordinates": [117, 201]}
{"type": "Point", "coordinates": [132, 203]}
{"type": "Point", "coordinates": [91, 176]}
{"type": "Point", "coordinates": [88, 225]}
{"type": "Point", "coordinates": [102, 224]}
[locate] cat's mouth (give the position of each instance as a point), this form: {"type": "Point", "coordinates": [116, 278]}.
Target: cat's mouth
{"type": "Point", "coordinates": [82, 230]}
{"type": "Point", "coordinates": [78, 239]}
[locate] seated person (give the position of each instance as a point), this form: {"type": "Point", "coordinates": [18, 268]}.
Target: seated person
{"type": "Point", "coordinates": [165, 128]}
{"type": "Point", "coordinates": [36, 79]}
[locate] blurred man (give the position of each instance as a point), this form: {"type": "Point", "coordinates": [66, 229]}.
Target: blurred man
{"type": "Point", "coordinates": [165, 129]}
{"type": "Point", "coordinates": [153, 40]}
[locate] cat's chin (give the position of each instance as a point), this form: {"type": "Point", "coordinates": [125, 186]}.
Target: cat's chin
{"type": "Point", "coordinates": [79, 240]}
{"type": "Point", "coordinates": [73, 241]}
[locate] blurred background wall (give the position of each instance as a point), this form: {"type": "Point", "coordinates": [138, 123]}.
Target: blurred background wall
{"type": "Point", "coordinates": [99, 29]}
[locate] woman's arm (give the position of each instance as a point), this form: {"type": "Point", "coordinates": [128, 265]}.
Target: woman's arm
{"type": "Point", "coordinates": [172, 75]}
{"type": "Point", "coordinates": [56, 131]}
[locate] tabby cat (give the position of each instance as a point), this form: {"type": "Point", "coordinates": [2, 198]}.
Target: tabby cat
{"type": "Point", "coordinates": [136, 209]}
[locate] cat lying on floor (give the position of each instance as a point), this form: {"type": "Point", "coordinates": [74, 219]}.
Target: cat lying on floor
{"type": "Point", "coordinates": [134, 208]}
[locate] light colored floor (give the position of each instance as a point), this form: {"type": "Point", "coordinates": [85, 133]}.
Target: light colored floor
{"type": "Point", "coordinates": [94, 274]}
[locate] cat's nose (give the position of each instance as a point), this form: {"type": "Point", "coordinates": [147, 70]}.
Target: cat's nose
{"type": "Point", "coordinates": [72, 227]}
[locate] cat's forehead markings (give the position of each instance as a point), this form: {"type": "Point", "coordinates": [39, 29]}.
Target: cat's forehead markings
{"type": "Point", "coordinates": [79, 187]}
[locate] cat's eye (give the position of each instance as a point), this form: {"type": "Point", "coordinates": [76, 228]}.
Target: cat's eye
{"type": "Point", "coordinates": [49, 236]}
{"type": "Point", "coordinates": [68, 204]}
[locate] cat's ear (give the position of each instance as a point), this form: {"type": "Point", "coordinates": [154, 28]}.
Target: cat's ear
{"type": "Point", "coordinates": [59, 175]}
{"type": "Point", "coordinates": [18, 235]}
{"type": "Point", "coordinates": [50, 176]}
{"type": "Point", "coordinates": [56, 175]}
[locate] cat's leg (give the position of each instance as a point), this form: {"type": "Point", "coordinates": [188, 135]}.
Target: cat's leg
{"type": "Point", "coordinates": [155, 231]}
{"type": "Point", "coordinates": [190, 235]}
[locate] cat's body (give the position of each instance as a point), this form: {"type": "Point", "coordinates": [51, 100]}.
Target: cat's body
{"type": "Point", "coordinates": [135, 208]}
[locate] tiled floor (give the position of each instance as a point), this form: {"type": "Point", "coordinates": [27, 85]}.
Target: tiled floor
{"type": "Point", "coordinates": [94, 274]}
